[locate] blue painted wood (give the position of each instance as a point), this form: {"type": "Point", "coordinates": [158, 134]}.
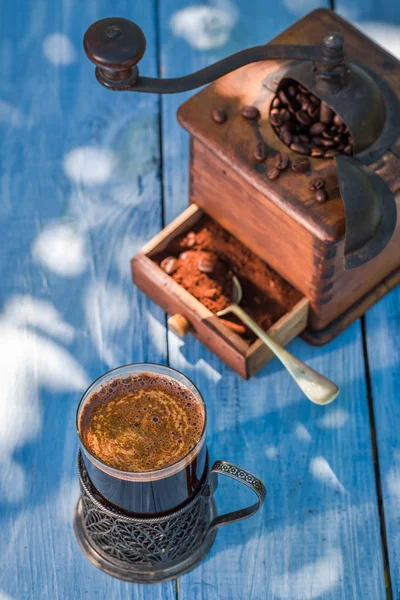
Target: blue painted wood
{"type": "Point", "coordinates": [80, 193]}
{"type": "Point", "coordinates": [383, 334]}
{"type": "Point", "coordinates": [318, 536]}
{"type": "Point", "coordinates": [381, 21]}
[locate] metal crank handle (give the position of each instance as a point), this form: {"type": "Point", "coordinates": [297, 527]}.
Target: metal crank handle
{"type": "Point", "coordinates": [116, 46]}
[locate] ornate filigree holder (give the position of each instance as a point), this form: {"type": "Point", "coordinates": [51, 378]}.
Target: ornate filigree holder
{"type": "Point", "coordinates": [151, 550]}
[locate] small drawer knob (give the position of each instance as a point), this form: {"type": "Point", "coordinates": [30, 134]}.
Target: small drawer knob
{"type": "Point", "coordinates": [179, 325]}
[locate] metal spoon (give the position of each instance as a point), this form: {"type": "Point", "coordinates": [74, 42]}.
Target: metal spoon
{"type": "Point", "coordinates": [315, 386]}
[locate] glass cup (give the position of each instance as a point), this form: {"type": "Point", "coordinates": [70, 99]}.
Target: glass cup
{"type": "Point", "coordinates": [153, 526]}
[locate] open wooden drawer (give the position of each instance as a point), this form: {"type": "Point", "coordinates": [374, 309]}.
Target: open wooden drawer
{"type": "Point", "coordinates": [245, 359]}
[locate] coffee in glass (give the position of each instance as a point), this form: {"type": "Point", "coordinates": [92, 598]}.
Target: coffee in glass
{"type": "Point", "coordinates": [147, 511]}
{"type": "Point", "coordinates": [143, 437]}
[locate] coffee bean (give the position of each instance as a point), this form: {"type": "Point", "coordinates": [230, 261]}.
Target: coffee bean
{"type": "Point", "coordinates": [276, 103]}
{"type": "Point", "coordinates": [281, 161]}
{"type": "Point", "coordinates": [317, 152]}
{"type": "Point", "coordinates": [287, 138]}
{"type": "Point", "coordinates": [283, 98]}
{"type": "Point", "coordinates": [301, 165]}
{"type": "Point", "coordinates": [331, 153]}
{"type": "Point", "coordinates": [348, 149]}
{"type": "Point", "coordinates": [325, 113]}
{"type": "Point", "coordinates": [313, 111]}
{"type": "Point", "coordinates": [292, 90]}
{"type": "Point", "coordinates": [205, 265]}
{"type": "Point", "coordinates": [219, 115]}
{"type": "Point", "coordinates": [169, 265]}
{"type": "Point", "coordinates": [303, 90]}
{"type": "Point", "coordinates": [328, 143]}
{"type": "Point", "coordinates": [338, 121]}
{"type": "Point", "coordinates": [285, 115]}
{"type": "Point", "coordinates": [321, 196]}
{"type": "Point", "coordinates": [341, 147]}
{"type": "Point", "coordinates": [327, 135]}
{"type": "Point", "coordinates": [337, 139]}
{"type": "Point", "coordinates": [184, 255]}
{"type": "Point", "coordinates": [287, 126]}
{"type": "Point", "coordinates": [316, 141]}
{"type": "Point", "coordinates": [272, 173]}
{"type": "Point", "coordinates": [304, 138]}
{"type": "Point", "coordinates": [275, 119]}
{"type": "Point", "coordinates": [250, 112]}
{"type": "Point", "coordinates": [190, 239]}
{"type": "Point", "coordinates": [305, 106]}
{"type": "Point", "coordinates": [314, 99]}
{"type": "Point", "coordinates": [317, 184]}
{"type": "Point", "coordinates": [296, 139]}
{"type": "Point", "coordinates": [261, 151]}
{"type": "Point", "coordinates": [301, 98]}
{"type": "Point", "coordinates": [317, 128]}
{"type": "Point", "coordinates": [300, 148]}
{"type": "Point", "coordinates": [303, 117]}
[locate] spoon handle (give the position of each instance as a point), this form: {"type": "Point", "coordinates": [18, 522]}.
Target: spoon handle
{"type": "Point", "coordinates": [315, 386]}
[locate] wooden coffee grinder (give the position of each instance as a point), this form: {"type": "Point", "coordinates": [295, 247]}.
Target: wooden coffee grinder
{"type": "Point", "coordinates": [340, 248]}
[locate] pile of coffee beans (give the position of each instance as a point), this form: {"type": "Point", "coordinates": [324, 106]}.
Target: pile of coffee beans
{"type": "Point", "coordinates": [307, 125]}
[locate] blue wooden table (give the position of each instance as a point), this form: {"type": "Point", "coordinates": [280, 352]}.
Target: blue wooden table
{"type": "Point", "coordinates": [86, 177]}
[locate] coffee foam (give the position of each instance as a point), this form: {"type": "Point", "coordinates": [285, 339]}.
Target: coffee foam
{"type": "Point", "coordinates": [141, 423]}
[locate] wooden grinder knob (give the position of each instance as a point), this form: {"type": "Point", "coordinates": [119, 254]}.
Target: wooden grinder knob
{"type": "Point", "coordinates": [179, 325]}
{"type": "Point", "coordinates": [115, 46]}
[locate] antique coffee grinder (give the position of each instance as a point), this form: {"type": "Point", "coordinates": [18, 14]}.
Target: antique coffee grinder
{"type": "Point", "coordinates": [295, 150]}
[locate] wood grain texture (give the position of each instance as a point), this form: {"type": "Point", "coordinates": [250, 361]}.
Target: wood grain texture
{"type": "Point", "coordinates": [80, 195]}
{"type": "Point", "coordinates": [383, 334]}
{"type": "Point", "coordinates": [215, 333]}
{"type": "Point", "coordinates": [381, 21]}
{"type": "Point", "coordinates": [318, 535]}
{"type": "Point", "coordinates": [302, 239]}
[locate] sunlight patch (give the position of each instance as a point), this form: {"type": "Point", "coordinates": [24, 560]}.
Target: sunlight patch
{"type": "Point", "coordinates": [157, 334]}
{"type": "Point", "coordinates": [61, 249]}
{"type": "Point", "coordinates": [302, 433]}
{"type": "Point", "coordinates": [10, 115]}
{"type": "Point", "coordinates": [300, 7]}
{"type": "Point", "coordinates": [313, 579]}
{"type": "Point", "coordinates": [393, 484]}
{"type": "Point", "coordinates": [29, 361]}
{"type": "Point", "coordinates": [107, 311]}
{"type": "Point", "coordinates": [387, 36]}
{"type": "Point", "coordinates": [205, 27]}
{"type": "Point", "coordinates": [321, 470]}
{"type": "Point", "coordinates": [271, 452]}
{"type": "Point", "coordinates": [27, 311]}
{"type": "Point", "coordinates": [333, 419]}
{"type": "Point", "coordinates": [89, 165]}
{"type": "Point", "coordinates": [59, 50]}
{"type": "Point", "coordinates": [207, 371]}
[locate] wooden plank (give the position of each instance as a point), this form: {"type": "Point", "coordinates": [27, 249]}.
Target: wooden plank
{"type": "Point", "coordinates": [381, 21]}
{"type": "Point", "coordinates": [383, 334]}
{"type": "Point", "coordinates": [318, 535]}
{"type": "Point", "coordinates": [80, 195]}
